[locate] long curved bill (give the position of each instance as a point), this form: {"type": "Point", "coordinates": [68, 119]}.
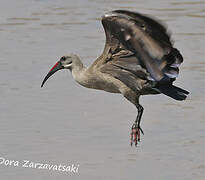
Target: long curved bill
{"type": "Point", "coordinates": [54, 69]}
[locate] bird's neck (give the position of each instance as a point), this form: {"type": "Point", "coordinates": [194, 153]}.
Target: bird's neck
{"type": "Point", "coordinates": [80, 75]}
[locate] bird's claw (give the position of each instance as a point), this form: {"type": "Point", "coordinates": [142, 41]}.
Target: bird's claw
{"type": "Point", "coordinates": [135, 134]}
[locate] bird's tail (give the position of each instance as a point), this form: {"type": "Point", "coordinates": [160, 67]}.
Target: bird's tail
{"type": "Point", "coordinates": [170, 68]}
{"type": "Point", "coordinates": [171, 63]}
{"type": "Point", "coordinates": [173, 92]}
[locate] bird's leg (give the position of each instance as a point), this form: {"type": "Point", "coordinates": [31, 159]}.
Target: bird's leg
{"type": "Point", "coordinates": [135, 131]}
{"type": "Point", "coordinates": [133, 97]}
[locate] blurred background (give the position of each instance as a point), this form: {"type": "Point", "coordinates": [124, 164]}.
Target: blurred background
{"type": "Point", "coordinates": [64, 123]}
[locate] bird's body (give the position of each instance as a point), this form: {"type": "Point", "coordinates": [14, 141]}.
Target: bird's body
{"type": "Point", "coordinates": [138, 59]}
{"type": "Point", "coordinates": [89, 77]}
{"type": "Point", "coordinates": [97, 80]}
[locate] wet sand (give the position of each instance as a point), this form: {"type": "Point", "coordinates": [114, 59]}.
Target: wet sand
{"type": "Point", "coordinates": [64, 123]}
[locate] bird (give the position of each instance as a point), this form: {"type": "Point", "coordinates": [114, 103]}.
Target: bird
{"type": "Point", "coordinates": [139, 58]}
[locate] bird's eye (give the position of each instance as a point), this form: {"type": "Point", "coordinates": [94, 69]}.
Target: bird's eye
{"type": "Point", "coordinates": [63, 58]}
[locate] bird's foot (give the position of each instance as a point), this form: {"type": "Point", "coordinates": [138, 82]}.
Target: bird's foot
{"type": "Point", "coordinates": [135, 134]}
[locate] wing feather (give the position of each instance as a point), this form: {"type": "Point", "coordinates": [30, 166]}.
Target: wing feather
{"type": "Point", "coordinates": [137, 46]}
{"type": "Point", "coordinates": [128, 78]}
{"type": "Point", "coordinates": [155, 28]}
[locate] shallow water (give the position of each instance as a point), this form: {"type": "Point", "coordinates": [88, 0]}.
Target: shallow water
{"type": "Point", "coordinates": [64, 123]}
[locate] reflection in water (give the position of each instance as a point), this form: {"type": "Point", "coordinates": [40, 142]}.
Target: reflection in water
{"type": "Point", "coordinates": [23, 19]}
{"type": "Point", "coordinates": [13, 24]}
{"type": "Point", "coordinates": [168, 9]}
{"type": "Point", "coordinates": [188, 3]}
{"type": "Point", "coordinates": [196, 16]}
{"type": "Point", "coordinates": [190, 34]}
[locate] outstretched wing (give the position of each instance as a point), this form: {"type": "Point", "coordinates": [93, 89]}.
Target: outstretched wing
{"type": "Point", "coordinates": [139, 45]}
{"type": "Point", "coordinates": [154, 28]}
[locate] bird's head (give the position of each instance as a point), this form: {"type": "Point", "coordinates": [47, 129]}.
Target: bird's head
{"type": "Point", "coordinates": [70, 62]}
